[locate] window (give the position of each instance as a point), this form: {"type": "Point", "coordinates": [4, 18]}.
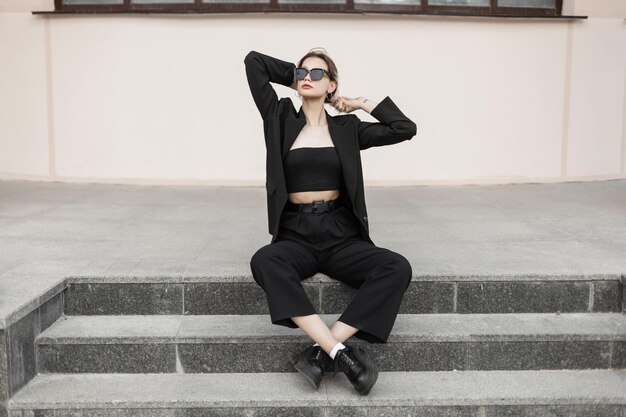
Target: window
{"type": "Point", "coordinates": [510, 8]}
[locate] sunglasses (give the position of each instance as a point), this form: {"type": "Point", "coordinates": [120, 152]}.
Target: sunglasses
{"type": "Point", "coordinates": [316, 73]}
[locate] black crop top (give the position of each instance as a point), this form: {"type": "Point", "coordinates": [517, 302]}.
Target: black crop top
{"type": "Point", "coordinates": [312, 169]}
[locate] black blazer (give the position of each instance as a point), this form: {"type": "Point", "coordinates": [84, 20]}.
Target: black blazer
{"type": "Point", "coordinates": [282, 124]}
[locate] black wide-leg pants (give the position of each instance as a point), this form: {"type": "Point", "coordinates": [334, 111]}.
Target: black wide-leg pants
{"type": "Point", "coordinates": [330, 243]}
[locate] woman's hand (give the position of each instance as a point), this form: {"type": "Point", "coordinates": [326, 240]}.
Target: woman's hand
{"type": "Point", "coordinates": [350, 104]}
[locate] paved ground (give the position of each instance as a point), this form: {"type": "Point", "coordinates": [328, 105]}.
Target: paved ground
{"type": "Point", "coordinates": [52, 230]}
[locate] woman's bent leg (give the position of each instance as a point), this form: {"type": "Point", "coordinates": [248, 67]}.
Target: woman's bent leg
{"type": "Point", "coordinates": [381, 277]}
{"type": "Point", "coordinates": [315, 327]}
{"type": "Point", "coordinates": [279, 268]}
{"type": "Point", "coordinates": [342, 331]}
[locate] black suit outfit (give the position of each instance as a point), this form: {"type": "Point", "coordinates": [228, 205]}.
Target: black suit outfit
{"type": "Point", "coordinates": [337, 242]}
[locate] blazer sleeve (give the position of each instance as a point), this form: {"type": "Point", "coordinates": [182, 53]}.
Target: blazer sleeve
{"type": "Point", "coordinates": [394, 126]}
{"type": "Point", "coordinates": [261, 69]}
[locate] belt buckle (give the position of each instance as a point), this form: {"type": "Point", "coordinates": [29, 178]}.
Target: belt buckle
{"type": "Point", "coordinates": [314, 205]}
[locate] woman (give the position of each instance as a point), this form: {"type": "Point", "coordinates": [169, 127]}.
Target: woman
{"type": "Point", "coordinates": [317, 213]}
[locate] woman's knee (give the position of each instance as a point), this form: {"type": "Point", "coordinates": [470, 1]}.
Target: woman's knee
{"type": "Point", "coordinates": [257, 259]}
{"type": "Point", "coordinates": [273, 260]}
{"type": "Point", "coordinates": [404, 271]}
{"type": "Point", "coordinates": [257, 262]}
{"type": "Point", "coordinates": [262, 256]}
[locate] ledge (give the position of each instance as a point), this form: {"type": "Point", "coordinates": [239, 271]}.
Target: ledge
{"type": "Point", "coordinates": [362, 12]}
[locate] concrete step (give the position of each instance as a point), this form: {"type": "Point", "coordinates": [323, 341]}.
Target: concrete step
{"type": "Point", "coordinates": [429, 294]}
{"type": "Point", "coordinates": [584, 393]}
{"type": "Point", "coordinates": [419, 342]}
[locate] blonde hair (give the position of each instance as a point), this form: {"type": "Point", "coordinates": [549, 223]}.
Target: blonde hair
{"type": "Point", "coordinates": [331, 98]}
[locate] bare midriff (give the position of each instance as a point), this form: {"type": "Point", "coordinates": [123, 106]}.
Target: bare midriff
{"type": "Point", "coordinates": [307, 197]}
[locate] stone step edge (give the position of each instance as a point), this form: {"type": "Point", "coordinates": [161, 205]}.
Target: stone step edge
{"type": "Point", "coordinates": [38, 300]}
{"type": "Point", "coordinates": [407, 328]}
{"type": "Point", "coordinates": [435, 388]}
{"type": "Point", "coordinates": [320, 277]}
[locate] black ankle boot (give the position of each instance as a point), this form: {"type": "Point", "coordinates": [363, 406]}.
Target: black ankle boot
{"type": "Point", "coordinates": [311, 363]}
{"type": "Point", "coordinates": [353, 361]}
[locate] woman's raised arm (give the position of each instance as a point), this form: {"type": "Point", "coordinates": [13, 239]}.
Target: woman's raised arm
{"type": "Point", "coordinates": [394, 126]}
{"type": "Point", "coordinates": [261, 69]}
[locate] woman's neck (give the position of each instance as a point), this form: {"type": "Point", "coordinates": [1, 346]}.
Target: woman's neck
{"type": "Point", "coordinates": [314, 113]}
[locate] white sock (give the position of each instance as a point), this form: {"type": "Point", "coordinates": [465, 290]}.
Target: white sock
{"type": "Point", "coordinates": [337, 348]}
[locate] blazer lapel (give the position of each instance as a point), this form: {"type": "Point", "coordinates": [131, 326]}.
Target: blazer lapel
{"type": "Point", "coordinates": [292, 130]}
{"type": "Point", "coordinates": [342, 137]}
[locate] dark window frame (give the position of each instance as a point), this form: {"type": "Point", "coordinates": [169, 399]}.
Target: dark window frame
{"type": "Point", "coordinates": [349, 7]}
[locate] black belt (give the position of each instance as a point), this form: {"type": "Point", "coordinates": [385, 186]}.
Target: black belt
{"type": "Point", "coordinates": [319, 206]}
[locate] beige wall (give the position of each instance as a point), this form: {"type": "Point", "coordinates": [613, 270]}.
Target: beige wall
{"type": "Point", "coordinates": [149, 98]}
{"type": "Point", "coordinates": [596, 8]}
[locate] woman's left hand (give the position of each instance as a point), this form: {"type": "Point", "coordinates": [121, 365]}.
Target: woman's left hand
{"type": "Point", "coordinates": [351, 104]}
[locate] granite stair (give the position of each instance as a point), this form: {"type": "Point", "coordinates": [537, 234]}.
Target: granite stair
{"type": "Point", "coordinates": [481, 346]}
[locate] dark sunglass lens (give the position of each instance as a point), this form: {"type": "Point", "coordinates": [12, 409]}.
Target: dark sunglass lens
{"type": "Point", "coordinates": [317, 74]}
{"type": "Point", "coordinates": [300, 73]}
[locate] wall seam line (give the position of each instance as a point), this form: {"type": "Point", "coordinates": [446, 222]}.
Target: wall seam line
{"type": "Point", "coordinates": [566, 101]}
{"type": "Point", "coordinates": [52, 169]}
{"type": "Point", "coordinates": [623, 156]}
